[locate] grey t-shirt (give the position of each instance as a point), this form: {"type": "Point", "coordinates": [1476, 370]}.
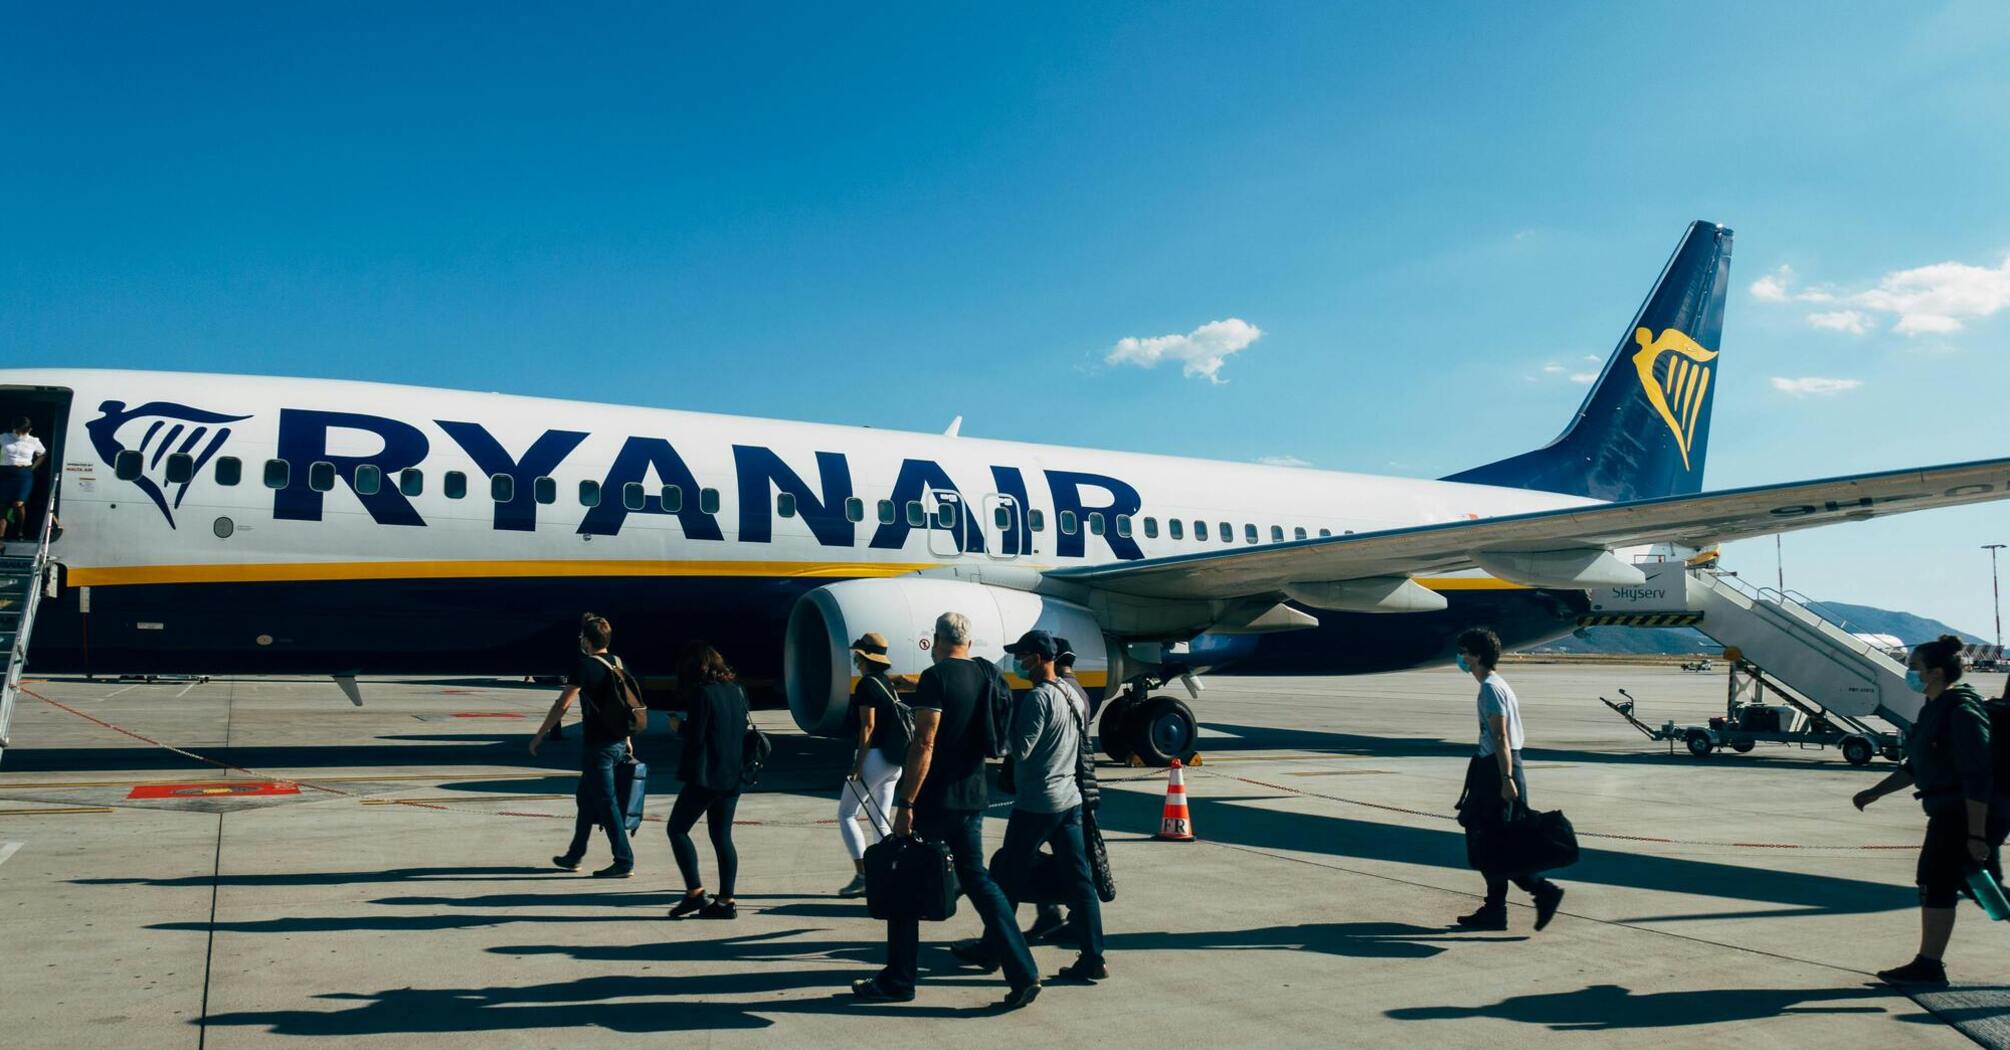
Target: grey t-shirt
{"type": "Point", "coordinates": [1045, 745]}
{"type": "Point", "coordinates": [1497, 699]}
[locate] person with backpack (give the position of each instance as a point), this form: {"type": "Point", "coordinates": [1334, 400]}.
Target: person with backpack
{"type": "Point", "coordinates": [714, 722]}
{"type": "Point", "coordinates": [1050, 925]}
{"type": "Point", "coordinates": [884, 725]}
{"type": "Point", "coordinates": [941, 796]}
{"type": "Point", "coordinates": [1950, 762]}
{"type": "Point", "coordinates": [602, 685]}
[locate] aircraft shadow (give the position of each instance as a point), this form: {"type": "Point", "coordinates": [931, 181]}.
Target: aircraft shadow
{"type": "Point", "coordinates": [1612, 1007]}
{"type": "Point", "coordinates": [1259, 738]}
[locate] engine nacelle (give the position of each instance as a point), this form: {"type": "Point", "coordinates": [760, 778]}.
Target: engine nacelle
{"type": "Point", "coordinates": [817, 659]}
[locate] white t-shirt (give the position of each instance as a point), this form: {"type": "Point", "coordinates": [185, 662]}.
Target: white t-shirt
{"type": "Point", "coordinates": [20, 450]}
{"type": "Point", "coordinates": [1497, 699]}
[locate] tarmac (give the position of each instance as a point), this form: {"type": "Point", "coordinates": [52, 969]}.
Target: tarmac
{"type": "Point", "coordinates": [397, 887]}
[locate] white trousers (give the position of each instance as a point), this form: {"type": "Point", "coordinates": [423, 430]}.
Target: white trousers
{"type": "Point", "coordinates": [877, 778]}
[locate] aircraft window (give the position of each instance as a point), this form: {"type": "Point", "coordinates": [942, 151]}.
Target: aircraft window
{"type": "Point", "coordinates": [127, 465]}
{"type": "Point", "coordinates": [1248, 532]}
{"type": "Point", "coordinates": [277, 473]}
{"type": "Point", "coordinates": [1123, 524]}
{"type": "Point", "coordinates": [1277, 534]}
{"type": "Point", "coordinates": [1174, 527]}
{"type": "Point", "coordinates": [1037, 520]}
{"type": "Point", "coordinates": [1227, 533]}
{"type": "Point", "coordinates": [785, 504]}
{"type": "Point", "coordinates": [502, 488]}
{"type": "Point", "coordinates": [634, 496]}
{"type": "Point", "coordinates": [1200, 530]}
{"type": "Point", "coordinates": [945, 515]}
{"type": "Point", "coordinates": [673, 500]}
{"type": "Point", "coordinates": [589, 493]}
{"type": "Point", "coordinates": [854, 509]}
{"type": "Point", "coordinates": [229, 470]}
{"type": "Point", "coordinates": [1096, 522]}
{"type": "Point", "coordinates": [454, 484]}
{"type": "Point", "coordinates": [321, 476]}
{"type": "Point", "coordinates": [1325, 532]}
{"type": "Point", "coordinates": [181, 467]}
{"type": "Point", "coordinates": [1298, 533]}
{"type": "Point", "coordinates": [545, 490]}
{"type": "Point", "coordinates": [1349, 532]}
{"type": "Point", "coordinates": [708, 501]}
{"type": "Point", "coordinates": [915, 518]}
{"type": "Point", "coordinates": [1151, 527]}
{"type": "Point", "coordinates": [368, 479]}
{"type": "Point", "coordinates": [886, 512]}
{"type": "Point", "coordinates": [1001, 517]}
{"type": "Point", "coordinates": [412, 482]}
{"type": "Point", "coordinates": [1068, 523]}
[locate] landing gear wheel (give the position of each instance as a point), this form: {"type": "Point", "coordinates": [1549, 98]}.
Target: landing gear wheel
{"type": "Point", "coordinates": [1699, 743]}
{"type": "Point", "coordinates": [1115, 726]}
{"type": "Point", "coordinates": [1163, 729]}
{"type": "Point", "coordinates": [1742, 746]}
{"type": "Point", "coordinates": [1857, 751]}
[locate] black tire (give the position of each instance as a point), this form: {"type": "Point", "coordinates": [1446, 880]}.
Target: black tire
{"type": "Point", "coordinates": [1115, 727]}
{"type": "Point", "coordinates": [1163, 729]}
{"type": "Point", "coordinates": [1893, 754]}
{"type": "Point", "coordinates": [1699, 742]}
{"type": "Point", "coordinates": [1742, 746]}
{"type": "Point", "coordinates": [1857, 751]}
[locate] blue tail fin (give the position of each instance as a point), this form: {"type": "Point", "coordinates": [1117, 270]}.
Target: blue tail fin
{"type": "Point", "coordinates": [1644, 429]}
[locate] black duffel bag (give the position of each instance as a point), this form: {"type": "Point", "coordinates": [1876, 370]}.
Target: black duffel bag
{"type": "Point", "coordinates": [910, 878]}
{"type": "Point", "coordinates": [1527, 843]}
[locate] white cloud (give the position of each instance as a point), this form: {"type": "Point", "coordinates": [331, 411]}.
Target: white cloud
{"type": "Point", "coordinates": [1594, 359]}
{"type": "Point", "coordinates": [1283, 461]}
{"type": "Point", "coordinates": [1200, 352]}
{"type": "Point", "coordinates": [1584, 377]}
{"type": "Point", "coordinates": [1555, 370]}
{"type": "Point", "coordinates": [1772, 288]}
{"type": "Point", "coordinates": [1814, 386]}
{"type": "Point", "coordinates": [1855, 322]}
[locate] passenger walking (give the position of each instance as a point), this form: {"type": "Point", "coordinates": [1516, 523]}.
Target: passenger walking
{"type": "Point", "coordinates": [1046, 743]}
{"type": "Point", "coordinates": [882, 745]}
{"type": "Point", "coordinates": [605, 745]}
{"type": "Point", "coordinates": [21, 455]}
{"type": "Point", "coordinates": [1050, 926]}
{"type": "Point", "coordinates": [1949, 760]}
{"type": "Point", "coordinates": [713, 721]}
{"type": "Point", "coordinates": [941, 796]}
{"type": "Point", "coordinates": [1496, 788]}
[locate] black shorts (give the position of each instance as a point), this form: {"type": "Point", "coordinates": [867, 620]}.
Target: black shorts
{"type": "Point", "coordinates": [1944, 861]}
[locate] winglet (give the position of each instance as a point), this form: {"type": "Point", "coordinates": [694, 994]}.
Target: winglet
{"type": "Point", "coordinates": [954, 426]}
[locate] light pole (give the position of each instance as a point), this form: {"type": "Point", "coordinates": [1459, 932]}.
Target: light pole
{"type": "Point", "coordinates": [1996, 589]}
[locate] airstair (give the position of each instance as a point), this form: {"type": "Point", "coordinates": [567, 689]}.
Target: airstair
{"type": "Point", "coordinates": [21, 581]}
{"type": "Point", "coordinates": [1786, 634]}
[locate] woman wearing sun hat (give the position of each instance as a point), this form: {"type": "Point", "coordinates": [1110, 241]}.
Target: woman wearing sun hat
{"type": "Point", "coordinates": [875, 769]}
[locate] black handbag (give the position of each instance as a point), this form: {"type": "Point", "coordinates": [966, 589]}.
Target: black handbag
{"type": "Point", "coordinates": [910, 878]}
{"type": "Point", "coordinates": [1526, 843]}
{"type": "Point", "coordinates": [1099, 857]}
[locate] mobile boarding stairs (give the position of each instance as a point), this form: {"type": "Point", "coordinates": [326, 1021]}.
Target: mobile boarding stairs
{"type": "Point", "coordinates": [22, 578]}
{"type": "Point", "coordinates": [1830, 682]}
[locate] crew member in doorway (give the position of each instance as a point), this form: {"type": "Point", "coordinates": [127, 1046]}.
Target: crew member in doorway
{"type": "Point", "coordinates": [605, 745]}
{"type": "Point", "coordinates": [21, 455]}
{"type": "Point", "coordinates": [1496, 788]}
{"type": "Point", "coordinates": [1949, 760]}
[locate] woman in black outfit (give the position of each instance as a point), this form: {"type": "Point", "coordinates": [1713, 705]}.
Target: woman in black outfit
{"type": "Point", "coordinates": [713, 721]}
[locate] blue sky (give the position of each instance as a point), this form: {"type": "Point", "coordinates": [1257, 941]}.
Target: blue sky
{"type": "Point", "coordinates": [895, 214]}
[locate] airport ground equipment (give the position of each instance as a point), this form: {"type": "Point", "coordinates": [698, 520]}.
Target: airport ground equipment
{"type": "Point", "coordinates": [21, 583]}
{"type": "Point", "coordinates": [1702, 666]}
{"type": "Point", "coordinates": [1749, 720]}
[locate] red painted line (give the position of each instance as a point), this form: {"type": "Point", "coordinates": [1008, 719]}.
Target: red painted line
{"type": "Point", "coordinates": [215, 789]}
{"type": "Point", "coordinates": [485, 714]}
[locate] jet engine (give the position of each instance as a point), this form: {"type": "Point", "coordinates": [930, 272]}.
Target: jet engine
{"type": "Point", "coordinates": [817, 662]}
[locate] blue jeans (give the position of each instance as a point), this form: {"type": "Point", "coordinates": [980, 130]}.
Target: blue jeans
{"type": "Point", "coordinates": [597, 804]}
{"type": "Point", "coordinates": [1024, 834]}
{"type": "Point", "coordinates": [963, 833]}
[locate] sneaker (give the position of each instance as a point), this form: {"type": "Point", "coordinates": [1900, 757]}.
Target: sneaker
{"type": "Point", "coordinates": [616, 870]}
{"type": "Point", "coordinates": [872, 991]}
{"type": "Point", "coordinates": [1019, 997]}
{"type": "Point", "coordinates": [565, 863]}
{"type": "Point", "coordinates": [719, 909]}
{"type": "Point", "coordinates": [692, 902]}
{"type": "Point", "coordinates": [854, 888]}
{"type": "Point", "coordinates": [1047, 925]}
{"type": "Point", "coordinates": [1082, 969]}
{"type": "Point", "coordinates": [973, 953]}
{"type": "Point", "coordinates": [1919, 971]}
{"type": "Point", "coordinates": [1483, 919]}
{"type": "Point", "coordinates": [1546, 901]}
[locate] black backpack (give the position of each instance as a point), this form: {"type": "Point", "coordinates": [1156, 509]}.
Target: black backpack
{"type": "Point", "coordinates": [899, 728]}
{"type": "Point", "coordinates": [1999, 742]}
{"type": "Point", "coordinates": [998, 710]}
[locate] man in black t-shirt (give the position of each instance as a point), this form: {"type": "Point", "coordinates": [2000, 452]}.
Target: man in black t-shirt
{"type": "Point", "coordinates": [941, 796]}
{"type": "Point", "coordinates": [599, 754]}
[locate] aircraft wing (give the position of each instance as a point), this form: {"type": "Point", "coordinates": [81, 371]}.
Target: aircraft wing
{"type": "Point", "coordinates": [1700, 521]}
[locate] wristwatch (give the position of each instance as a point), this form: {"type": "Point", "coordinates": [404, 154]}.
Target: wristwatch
{"type": "Point", "coordinates": [902, 804]}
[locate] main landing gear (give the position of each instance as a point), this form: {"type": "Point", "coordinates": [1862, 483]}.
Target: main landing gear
{"type": "Point", "coordinates": [1154, 729]}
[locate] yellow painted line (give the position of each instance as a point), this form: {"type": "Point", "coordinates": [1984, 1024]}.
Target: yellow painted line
{"type": "Point", "coordinates": [464, 798]}
{"type": "Point", "coordinates": [55, 812]}
{"type": "Point", "coordinates": [277, 572]}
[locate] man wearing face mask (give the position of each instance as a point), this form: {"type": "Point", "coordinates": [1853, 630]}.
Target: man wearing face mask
{"type": "Point", "coordinates": [1496, 786]}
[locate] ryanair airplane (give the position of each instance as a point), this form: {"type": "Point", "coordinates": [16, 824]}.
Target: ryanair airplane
{"type": "Point", "coordinates": [241, 524]}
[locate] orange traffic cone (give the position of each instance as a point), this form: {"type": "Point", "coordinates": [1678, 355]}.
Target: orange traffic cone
{"type": "Point", "coordinates": [1176, 825]}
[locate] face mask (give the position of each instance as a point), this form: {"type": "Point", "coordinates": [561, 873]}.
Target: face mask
{"type": "Point", "coordinates": [1914, 682]}
{"type": "Point", "coordinates": [1463, 665]}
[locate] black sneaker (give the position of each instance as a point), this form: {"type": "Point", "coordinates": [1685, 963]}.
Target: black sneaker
{"type": "Point", "coordinates": [1483, 919]}
{"type": "Point", "coordinates": [616, 870]}
{"type": "Point", "coordinates": [719, 909]}
{"type": "Point", "coordinates": [1047, 925]}
{"type": "Point", "coordinates": [973, 953]}
{"type": "Point", "coordinates": [1546, 901]}
{"type": "Point", "coordinates": [872, 991]}
{"type": "Point", "coordinates": [1083, 969]}
{"type": "Point", "coordinates": [692, 902]}
{"type": "Point", "coordinates": [1019, 997]}
{"type": "Point", "coordinates": [565, 863]}
{"type": "Point", "coordinates": [1919, 971]}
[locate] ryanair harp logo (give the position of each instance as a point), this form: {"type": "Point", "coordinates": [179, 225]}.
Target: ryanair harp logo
{"type": "Point", "coordinates": [1679, 392]}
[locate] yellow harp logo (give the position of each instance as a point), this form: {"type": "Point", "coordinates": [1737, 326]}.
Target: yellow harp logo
{"type": "Point", "coordinates": [1678, 393]}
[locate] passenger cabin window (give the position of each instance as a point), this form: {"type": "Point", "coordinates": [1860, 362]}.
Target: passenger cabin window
{"type": "Point", "coordinates": [1227, 533]}
{"type": "Point", "coordinates": [368, 479]}
{"type": "Point", "coordinates": [229, 470]}
{"type": "Point", "coordinates": [412, 482]}
{"type": "Point", "coordinates": [945, 515]}
{"type": "Point", "coordinates": [589, 493]}
{"type": "Point", "coordinates": [1174, 527]}
{"type": "Point", "coordinates": [1096, 523]}
{"type": "Point", "coordinates": [277, 473]}
{"type": "Point", "coordinates": [1200, 530]}
{"type": "Point", "coordinates": [454, 484]}
{"type": "Point", "coordinates": [181, 468]}
{"type": "Point", "coordinates": [634, 496]}
{"type": "Point", "coordinates": [1298, 533]}
{"type": "Point", "coordinates": [1037, 519]}
{"type": "Point", "coordinates": [1151, 527]}
{"type": "Point", "coordinates": [785, 504]}
{"type": "Point", "coordinates": [1248, 533]}
{"type": "Point", "coordinates": [502, 488]}
{"type": "Point", "coordinates": [1325, 532]}
{"type": "Point", "coordinates": [1067, 523]}
{"type": "Point", "coordinates": [1277, 534]}
{"type": "Point", "coordinates": [708, 501]}
{"type": "Point", "coordinates": [545, 490]}
{"type": "Point", "coordinates": [854, 509]}
{"type": "Point", "coordinates": [321, 475]}
{"type": "Point", "coordinates": [1001, 517]}
{"type": "Point", "coordinates": [673, 500]}
{"type": "Point", "coordinates": [1123, 525]}
{"type": "Point", "coordinates": [127, 465]}
{"type": "Point", "coordinates": [915, 518]}
{"type": "Point", "coordinates": [886, 512]}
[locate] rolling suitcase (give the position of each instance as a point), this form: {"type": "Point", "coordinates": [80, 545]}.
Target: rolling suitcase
{"type": "Point", "coordinates": [631, 789]}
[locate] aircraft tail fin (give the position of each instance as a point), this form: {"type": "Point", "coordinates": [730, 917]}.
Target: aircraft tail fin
{"type": "Point", "coordinates": [1644, 429]}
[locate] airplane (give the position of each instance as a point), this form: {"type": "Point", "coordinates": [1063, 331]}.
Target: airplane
{"type": "Point", "coordinates": [222, 524]}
